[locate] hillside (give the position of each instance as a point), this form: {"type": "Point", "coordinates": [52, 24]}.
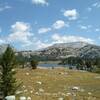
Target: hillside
{"type": "Point", "coordinates": [90, 51]}
{"type": "Point", "coordinates": [64, 50]}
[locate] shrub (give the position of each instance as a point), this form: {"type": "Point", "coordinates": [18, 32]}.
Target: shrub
{"type": "Point", "coordinates": [34, 64]}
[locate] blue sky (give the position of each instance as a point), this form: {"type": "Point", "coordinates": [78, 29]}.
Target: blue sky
{"type": "Point", "coordinates": [36, 24]}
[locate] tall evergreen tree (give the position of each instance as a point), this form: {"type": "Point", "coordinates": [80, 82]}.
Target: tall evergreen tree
{"type": "Point", "coordinates": [8, 84]}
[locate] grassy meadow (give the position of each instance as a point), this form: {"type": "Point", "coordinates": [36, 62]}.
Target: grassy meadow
{"type": "Point", "coordinates": [58, 84]}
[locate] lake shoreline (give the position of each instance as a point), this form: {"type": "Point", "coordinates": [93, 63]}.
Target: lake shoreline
{"type": "Point", "coordinates": [41, 67]}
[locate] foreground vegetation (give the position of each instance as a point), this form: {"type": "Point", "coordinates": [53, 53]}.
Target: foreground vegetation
{"type": "Point", "coordinates": [53, 84]}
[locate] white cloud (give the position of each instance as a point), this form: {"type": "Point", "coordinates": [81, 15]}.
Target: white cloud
{"type": "Point", "coordinates": [89, 9]}
{"type": "Point", "coordinates": [20, 26]}
{"type": "Point", "coordinates": [97, 5]}
{"type": "Point", "coordinates": [71, 14]}
{"type": "Point", "coordinates": [94, 6]}
{"type": "Point", "coordinates": [5, 7]}
{"type": "Point", "coordinates": [85, 27]}
{"type": "Point", "coordinates": [59, 24]}
{"type": "Point", "coordinates": [66, 39]}
{"type": "Point", "coordinates": [20, 33]}
{"type": "Point", "coordinates": [56, 38]}
{"type": "Point", "coordinates": [42, 2]}
{"type": "Point", "coordinates": [39, 44]}
{"type": "Point", "coordinates": [44, 30]}
{"type": "Point", "coordinates": [97, 30]}
{"type": "Point", "coordinates": [2, 41]}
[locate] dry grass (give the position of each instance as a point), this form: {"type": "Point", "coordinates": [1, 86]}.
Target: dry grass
{"type": "Point", "coordinates": [58, 83]}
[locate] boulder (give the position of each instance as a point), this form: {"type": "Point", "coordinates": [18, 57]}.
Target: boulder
{"type": "Point", "coordinates": [29, 98]}
{"type": "Point", "coordinates": [61, 98]}
{"type": "Point", "coordinates": [22, 98]}
{"type": "Point", "coordinates": [12, 97]}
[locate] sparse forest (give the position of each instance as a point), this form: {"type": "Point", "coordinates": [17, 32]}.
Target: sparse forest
{"type": "Point", "coordinates": [92, 65]}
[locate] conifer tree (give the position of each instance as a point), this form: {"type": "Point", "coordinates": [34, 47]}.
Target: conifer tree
{"type": "Point", "coordinates": [8, 84]}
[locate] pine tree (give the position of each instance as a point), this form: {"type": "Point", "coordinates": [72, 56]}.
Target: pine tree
{"type": "Point", "coordinates": [8, 84]}
{"type": "Point", "coordinates": [34, 64]}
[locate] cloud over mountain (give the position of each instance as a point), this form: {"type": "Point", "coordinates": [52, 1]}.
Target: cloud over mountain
{"type": "Point", "coordinates": [66, 39]}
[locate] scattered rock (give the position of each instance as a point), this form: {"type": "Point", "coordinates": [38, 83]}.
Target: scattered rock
{"type": "Point", "coordinates": [74, 94]}
{"type": "Point", "coordinates": [25, 90]}
{"type": "Point", "coordinates": [41, 90]}
{"type": "Point", "coordinates": [75, 88]}
{"type": "Point", "coordinates": [24, 86]}
{"type": "Point", "coordinates": [61, 98]}
{"type": "Point", "coordinates": [68, 94]}
{"type": "Point", "coordinates": [19, 92]}
{"type": "Point", "coordinates": [27, 74]}
{"type": "Point", "coordinates": [31, 92]}
{"type": "Point", "coordinates": [89, 93]}
{"type": "Point", "coordinates": [63, 94]}
{"type": "Point", "coordinates": [38, 82]}
{"type": "Point", "coordinates": [82, 90]}
{"type": "Point", "coordinates": [12, 97]}
{"type": "Point", "coordinates": [13, 70]}
{"type": "Point", "coordinates": [28, 98]}
{"type": "Point", "coordinates": [23, 98]}
{"type": "Point", "coordinates": [36, 93]}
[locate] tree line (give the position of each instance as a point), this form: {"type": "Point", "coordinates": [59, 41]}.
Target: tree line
{"type": "Point", "coordinates": [83, 63]}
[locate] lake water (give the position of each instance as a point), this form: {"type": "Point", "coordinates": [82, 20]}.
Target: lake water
{"type": "Point", "coordinates": [51, 65]}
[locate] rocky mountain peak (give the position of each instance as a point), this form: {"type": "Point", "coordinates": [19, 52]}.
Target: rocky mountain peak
{"type": "Point", "coordinates": [71, 44]}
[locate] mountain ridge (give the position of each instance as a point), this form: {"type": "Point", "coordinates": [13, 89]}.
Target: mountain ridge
{"type": "Point", "coordinates": [62, 50]}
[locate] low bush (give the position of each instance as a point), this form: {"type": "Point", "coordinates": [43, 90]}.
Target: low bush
{"type": "Point", "coordinates": [34, 64]}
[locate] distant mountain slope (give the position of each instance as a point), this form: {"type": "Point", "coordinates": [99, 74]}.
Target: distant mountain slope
{"type": "Point", "coordinates": [71, 44]}
{"type": "Point", "coordinates": [90, 51]}
{"type": "Point", "coordinates": [64, 50]}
